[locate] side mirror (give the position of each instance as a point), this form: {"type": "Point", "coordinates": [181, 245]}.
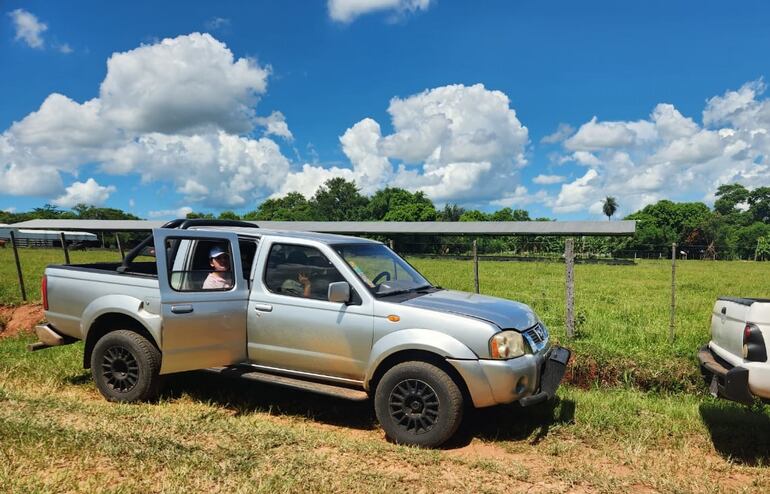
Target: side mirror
{"type": "Point", "coordinates": [339, 291]}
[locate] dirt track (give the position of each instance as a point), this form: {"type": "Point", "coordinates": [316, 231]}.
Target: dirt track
{"type": "Point", "coordinates": [14, 320]}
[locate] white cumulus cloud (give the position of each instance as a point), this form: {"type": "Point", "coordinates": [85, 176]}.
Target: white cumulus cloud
{"type": "Point", "coordinates": [348, 10]}
{"type": "Point", "coordinates": [180, 212]}
{"type": "Point", "coordinates": [548, 179]}
{"type": "Point", "coordinates": [88, 192]}
{"type": "Point", "coordinates": [275, 124]}
{"type": "Point", "coordinates": [669, 154]}
{"type": "Point", "coordinates": [171, 111]}
{"type": "Point", "coordinates": [562, 132]}
{"type": "Point", "coordinates": [29, 28]}
{"type": "Point", "coordinates": [453, 143]}
{"type": "Point", "coordinates": [182, 85]}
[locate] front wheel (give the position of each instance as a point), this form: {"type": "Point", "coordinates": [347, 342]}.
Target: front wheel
{"type": "Point", "coordinates": [125, 366]}
{"type": "Point", "coordinates": [418, 404]}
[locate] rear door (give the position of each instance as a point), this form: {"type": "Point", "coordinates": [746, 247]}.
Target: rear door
{"type": "Point", "coordinates": [203, 312]}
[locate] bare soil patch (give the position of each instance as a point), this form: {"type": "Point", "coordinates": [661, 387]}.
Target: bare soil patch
{"type": "Point", "coordinates": [18, 319]}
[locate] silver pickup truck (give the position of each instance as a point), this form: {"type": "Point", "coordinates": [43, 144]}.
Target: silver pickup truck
{"type": "Point", "coordinates": [330, 314]}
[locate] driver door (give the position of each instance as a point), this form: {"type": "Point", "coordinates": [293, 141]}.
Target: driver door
{"type": "Point", "coordinates": [201, 327]}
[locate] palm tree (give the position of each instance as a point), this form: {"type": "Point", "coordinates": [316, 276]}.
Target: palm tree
{"type": "Point", "coordinates": [609, 207]}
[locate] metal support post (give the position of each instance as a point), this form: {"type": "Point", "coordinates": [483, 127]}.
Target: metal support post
{"type": "Point", "coordinates": [672, 323]}
{"type": "Point", "coordinates": [18, 267]}
{"type": "Point", "coordinates": [475, 266]}
{"type": "Point", "coordinates": [120, 247]}
{"type": "Point", "coordinates": [64, 247]}
{"type": "Point", "coordinates": [569, 260]}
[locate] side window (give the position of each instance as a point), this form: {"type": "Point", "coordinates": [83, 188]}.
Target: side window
{"type": "Point", "coordinates": [299, 271]}
{"type": "Point", "coordinates": [199, 264]}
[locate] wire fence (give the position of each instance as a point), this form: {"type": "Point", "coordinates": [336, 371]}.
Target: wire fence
{"type": "Point", "coordinates": [567, 250]}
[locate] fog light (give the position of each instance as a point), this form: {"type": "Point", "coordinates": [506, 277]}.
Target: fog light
{"type": "Point", "coordinates": [521, 385]}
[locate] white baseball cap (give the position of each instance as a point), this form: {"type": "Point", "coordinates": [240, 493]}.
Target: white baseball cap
{"type": "Point", "coordinates": [216, 251]}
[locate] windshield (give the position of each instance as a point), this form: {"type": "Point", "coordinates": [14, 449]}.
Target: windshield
{"type": "Point", "coordinates": [383, 272]}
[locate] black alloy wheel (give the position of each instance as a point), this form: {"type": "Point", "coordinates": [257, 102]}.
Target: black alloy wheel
{"type": "Point", "coordinates": [418, 403]}
{"type": "Point", "coordinates": [126, 366]}
{"type": "Point", "coordinates": [120, 369]}
{"type": "Point", "coordinates": [414, 406]}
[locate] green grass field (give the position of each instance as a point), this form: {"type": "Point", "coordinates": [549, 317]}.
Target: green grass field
{"type": "Point", "coordinates": [210, 434]}
{"type": "Point", "coordinates": [215, 435]}
{"type": "Point", "coordinates": [622, 311]}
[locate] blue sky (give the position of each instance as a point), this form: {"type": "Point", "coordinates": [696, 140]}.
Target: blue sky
{"type": "Point", "coordinates": [452, 98]}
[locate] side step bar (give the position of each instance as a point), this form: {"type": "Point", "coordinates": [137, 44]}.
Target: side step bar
{"type": "Point", "coordinates": [291, 382]}
{"type": "Point", "coordinates": [49, 337]}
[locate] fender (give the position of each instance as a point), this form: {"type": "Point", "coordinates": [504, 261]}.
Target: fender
{"type": "Point", "coordinates": [121, 304]}
{"type": "Point", "coordinates": [416, 339]}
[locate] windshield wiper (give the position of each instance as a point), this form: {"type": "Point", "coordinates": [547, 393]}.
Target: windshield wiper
{"type": "Point", "coordinates": [394, 292]}
{"type": "Point", "coordinates": [419, 289]}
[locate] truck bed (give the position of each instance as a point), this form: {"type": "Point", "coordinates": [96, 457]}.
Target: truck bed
{"type": "Point", "coordinates": [74, 291]}
{"type": "Point", "coordinates": [149, 269]}
{"type": "Point", "coordinates": [748, 301]}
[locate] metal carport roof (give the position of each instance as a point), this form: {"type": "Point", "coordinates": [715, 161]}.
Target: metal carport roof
{"type": "Point", "coordinates": [560, 228]}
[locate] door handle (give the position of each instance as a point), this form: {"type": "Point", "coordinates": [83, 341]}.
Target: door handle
{"type": "Point", "coordinates": [182, 309]}
{"type": "Point", "coordinates": [263, 307]}
{"type": "Point", "coordinates": [724, 310]}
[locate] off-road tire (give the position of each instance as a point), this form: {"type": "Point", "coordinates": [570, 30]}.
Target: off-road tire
{"type": "Point", "coordinates": [125, 366]}
{"type": "Point", "coordinates": [418, 404]}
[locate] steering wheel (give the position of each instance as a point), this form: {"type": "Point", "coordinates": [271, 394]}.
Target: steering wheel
{"type": "Point", "coordinates": [384, 274]}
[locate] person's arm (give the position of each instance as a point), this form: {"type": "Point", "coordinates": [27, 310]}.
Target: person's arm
{"type": "Point", "coordinates": [303, 278]}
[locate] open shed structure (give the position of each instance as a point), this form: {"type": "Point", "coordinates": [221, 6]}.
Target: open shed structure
{"type": "Point", "coordinates": [569, 229]}
{"type": "Point", "coordinates": [497, 228]}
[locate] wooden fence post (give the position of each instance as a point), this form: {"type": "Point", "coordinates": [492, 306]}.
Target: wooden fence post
{"type": "Point", "coordinates": [64, 247]}
{"type": "Point", "coordinates": [569, 260]}
{"type": "Point", "coordinates": [475, 265]}
{"type": "Point", "coordinates": [18, 267]}
{"type": "Point", "coordinates": [673, 294]}
{"type": "Point", "coordinates": [120, 247]}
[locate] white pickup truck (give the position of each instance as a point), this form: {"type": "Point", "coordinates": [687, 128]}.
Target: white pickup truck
{"type": "Point", "coordinates": [330, 314]}
{"type": "Point", "coordinates": [734, 363]}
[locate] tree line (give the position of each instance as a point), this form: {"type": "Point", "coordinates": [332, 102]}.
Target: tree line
{"type": "Point", "coordinates": [738, 225]}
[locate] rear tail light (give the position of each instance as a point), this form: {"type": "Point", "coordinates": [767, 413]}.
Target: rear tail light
{"type": "Point", "coordinates": [753, 344]}
{"type": "Point", "coordinates": [44, 292]}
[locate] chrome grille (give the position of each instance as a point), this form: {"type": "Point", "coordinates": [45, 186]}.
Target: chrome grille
{"type": "Point", "coordinates": [537, 336]}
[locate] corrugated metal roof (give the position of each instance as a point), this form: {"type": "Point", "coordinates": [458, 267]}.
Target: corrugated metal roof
{"type": "Point", "coordinates": [563, 228]}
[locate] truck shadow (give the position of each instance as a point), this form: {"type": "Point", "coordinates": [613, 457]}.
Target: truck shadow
{"type": "Point", "coordinates": [509, 422]}
{"type": "Point", "coordinates": [513, 422]}
{"type": "Point", "coordinates": [740, 434]}
{"type": "Point", "coordinates": [245, 397]}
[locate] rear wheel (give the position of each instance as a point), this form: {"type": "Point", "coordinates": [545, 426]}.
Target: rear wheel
{"type": "Point", "coordinates": [419, 404]}
{"type": "Point", "coordinates": [126, 367]}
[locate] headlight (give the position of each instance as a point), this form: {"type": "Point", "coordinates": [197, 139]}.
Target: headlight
{"type": "Point", "coordinates": [507, 344]}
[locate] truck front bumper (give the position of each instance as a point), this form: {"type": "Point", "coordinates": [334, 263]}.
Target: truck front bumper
{"type": "Point", "coordinates": [726, 381]}
{"type": "Point", "coordinates": [529, 379]}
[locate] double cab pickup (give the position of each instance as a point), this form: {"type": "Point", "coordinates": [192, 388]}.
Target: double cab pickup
{"type": "Point", "coordinates": [330, 314]}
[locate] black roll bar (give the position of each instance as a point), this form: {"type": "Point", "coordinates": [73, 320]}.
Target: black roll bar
{"type": "Point", "coordinates": [182, 224]}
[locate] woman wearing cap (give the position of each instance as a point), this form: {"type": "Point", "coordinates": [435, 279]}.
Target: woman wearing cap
{"type": "Point", "coordinates": [221, 277]}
